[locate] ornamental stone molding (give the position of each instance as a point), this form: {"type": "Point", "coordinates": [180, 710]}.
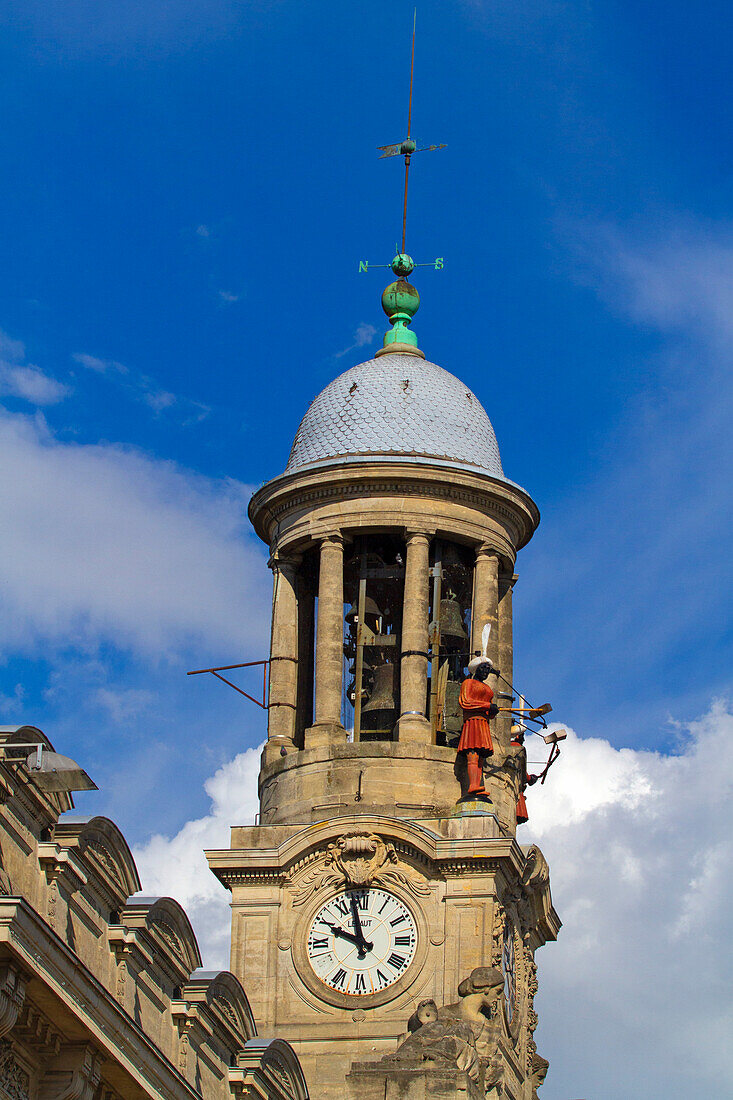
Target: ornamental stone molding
{"type": "Point", "coordinates": [13, 980]}
{"type": "Point", "coordinates": [73, 1075]}
{"type": "Point", "coordinates": [356, 859]}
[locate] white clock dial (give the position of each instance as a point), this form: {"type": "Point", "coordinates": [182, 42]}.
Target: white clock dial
{"type": "Point", "coordinates": [508, 966]}
{"type": "Point", "coordinates": [362, 941]}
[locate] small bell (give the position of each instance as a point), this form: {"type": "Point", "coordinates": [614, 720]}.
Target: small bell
{"type": "Point", "coordinates": [451, 620]}
{"type": "Point", "coordinates": [371, 613]}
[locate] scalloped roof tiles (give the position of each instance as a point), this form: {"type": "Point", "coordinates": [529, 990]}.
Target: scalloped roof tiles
{"type": "Point", "coordinates": [397, 405]}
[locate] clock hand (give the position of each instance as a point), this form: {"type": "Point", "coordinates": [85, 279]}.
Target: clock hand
{"type": "Point", "coordinates": [357, 925]}
{"type": "Point", "coordinates": [360, 943]}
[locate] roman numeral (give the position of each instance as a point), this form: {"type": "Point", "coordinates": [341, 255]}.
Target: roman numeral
{"type": "Point", "coordinates": [383, 979]}
{"type": "Point", "coordinates": [360, 986]}
{"type": "Point", "coordinates": [384, 905]}
{"type": "Point", "coordinates": [339, 978]}
{"type": "Point", "coordinates": [398, 919]}
{"type": "Point", "coordinates": [402, 941]}
{"type": "Point", "coordinates": [396, 961]}
{"type": "Point", "coordinates": [362, 901]}
{"type": "Point", "coordinates": [341, 906]}
{"type": "Point", "coordinates": [319, 944]}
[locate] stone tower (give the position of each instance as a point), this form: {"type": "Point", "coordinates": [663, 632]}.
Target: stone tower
{"type": "Point", "coordinates": [370, 883]}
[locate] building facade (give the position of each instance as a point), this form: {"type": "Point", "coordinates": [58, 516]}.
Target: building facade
{"type": "Point", "coordinates": [102, 995]}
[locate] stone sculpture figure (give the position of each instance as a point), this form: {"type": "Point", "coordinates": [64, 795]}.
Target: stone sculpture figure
{"type": "Point", "coordinates": [476, 699]}
{"type": "Point", "coordinates": [519, 752]}
{"type": "Point", "coordinates": [455, 1035]}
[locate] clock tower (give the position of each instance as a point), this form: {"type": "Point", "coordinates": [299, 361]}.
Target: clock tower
{"type": "Point", "coordinates": [373, 882]}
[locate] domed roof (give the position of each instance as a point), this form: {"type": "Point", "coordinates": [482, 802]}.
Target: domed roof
{"type": "Point", "coordinates": [401, 405]}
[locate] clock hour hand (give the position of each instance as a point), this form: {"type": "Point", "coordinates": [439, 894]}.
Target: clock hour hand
{"type": "Point", "coordinates": [360, 942]}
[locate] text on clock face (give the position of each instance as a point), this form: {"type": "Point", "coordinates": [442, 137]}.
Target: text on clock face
{"type": "Point", "coordinates": [362, 941]}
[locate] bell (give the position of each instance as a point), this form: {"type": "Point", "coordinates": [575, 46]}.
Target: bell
{"type": "Point", "coordinates": [371, 613]}
{"type": "Point", "coordinates": [451, 620]}
{"type": "Point", "coordinates": [378, 713]}
{"type": "Point", "coordinates": [382, 696]}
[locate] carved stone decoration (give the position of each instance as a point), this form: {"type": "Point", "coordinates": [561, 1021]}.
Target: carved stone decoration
{"type": "Point", "coordinates": [121, 980]}
{"type": "Point", "coordinates": [13, 1080]}
{"type": "Point", "coordinates": [356, 860]}
{"type": "Point", "coordinates": [12, 995]}
{"type": "Point", "coordinates": [498, 925]}
{"type": "Point", "coordinates": [359, 856]}
{"type": "Point", "coordinates": [73, 1075]}
{"type": "Point", "coordinates": [227, 1010]}
{"type": "Point", "coordinates": [461, 1035]}
{"type": "Point", "coordinates": [183, 1051]}
{"type": "Point", "coordinates": [53, 898]}
{"type": "Point", "coordinates": [34, 1028]}
{"type": "Point", "coordinates": [169, 936]}
{"type": "Point", "coordinates": [538, 1070]}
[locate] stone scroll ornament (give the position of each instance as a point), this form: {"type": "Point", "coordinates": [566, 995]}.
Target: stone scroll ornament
{"type": "Point", "coordinates": [356, 860]}
{"type": "Point", "coordinates": [461, 1035]}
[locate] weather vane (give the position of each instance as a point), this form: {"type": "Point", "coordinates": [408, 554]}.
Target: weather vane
{"type": "Point", "coordinates": [402, 264]}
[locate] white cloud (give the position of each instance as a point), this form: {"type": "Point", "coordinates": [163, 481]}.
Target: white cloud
{"type": "Point", "coordinates": [682, 282]}
{"type": "Point", "coordinates": [636, 997]}
{"type": "Point", "coordinates": [100, 366]}
{"type": "Point", "coordinates": [105, 544]}
{"type": "Point", "coordinates": [228, 296]}
{"type": "Point", "coordinates": [636, 994]}
{"type": "Point", "coordinates": [175, 866]}
{"type": "Point", "coordinates": [141, 387]}
{"type": "Point", "coordinates": [125, 704]}
{"type": "Point", "coordinates": [363, 336]}
{"type": "Point", "coordinates": [24, 380]}
{"type": "Point", "coordinates": [31, 384]}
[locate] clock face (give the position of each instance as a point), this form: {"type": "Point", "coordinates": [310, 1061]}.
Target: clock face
{"type": "Point", "coordinates": [509, 970]}
{"type": "Point", "coordinates": [362, 941]}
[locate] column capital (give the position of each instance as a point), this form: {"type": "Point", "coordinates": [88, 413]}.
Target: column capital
{"type": "Point", "coordinates": [334, 539]}
{"type": "Point", "coordinates": [486, 550]}
{"type": "Point", "coordinates": [412, 534]}
{"type": "Point", "coordinates": [289, 559]}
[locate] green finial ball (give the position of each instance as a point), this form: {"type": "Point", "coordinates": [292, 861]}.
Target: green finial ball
{"type": "Point", "coordinates": [408, 146]}
{"type": "Point", "coordinates": [400, 299]}
{"type": "Point", "coordinates": [402, 265]}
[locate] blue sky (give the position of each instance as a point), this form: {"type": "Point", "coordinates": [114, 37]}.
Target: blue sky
{"type": "Point", "coordinates": [187, 190]}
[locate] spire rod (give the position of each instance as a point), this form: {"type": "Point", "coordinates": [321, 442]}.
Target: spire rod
{"type": "Point", "coordinates": [409, 132]}
{"type": "Point", "coordinates": [407, 147]}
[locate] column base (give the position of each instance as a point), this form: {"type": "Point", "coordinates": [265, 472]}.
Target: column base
{"type": "Point", "coordinates": [323, 734]}
{"type": "Point", "coordinates": [273, 749]}
{"type": "Point", "coordinates": [415, 728]}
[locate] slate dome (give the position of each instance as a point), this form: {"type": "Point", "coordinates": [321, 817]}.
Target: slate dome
{"type": "Point", "coordinates": [397, 405]}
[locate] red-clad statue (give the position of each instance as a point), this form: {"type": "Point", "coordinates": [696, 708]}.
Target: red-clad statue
{"type": "Point", "coordinates": [525, 779]}
{"type": "Point", "coordinates": [476, 699]}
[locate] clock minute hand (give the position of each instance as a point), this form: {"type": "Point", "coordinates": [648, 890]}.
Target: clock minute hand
{"type": "Point", "coordinates": [357, 925]}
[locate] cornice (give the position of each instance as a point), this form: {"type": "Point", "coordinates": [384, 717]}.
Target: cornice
{"type": "Point", "coordinates": [294, 492]}
{"type": "Point", "coordinates": [437, 855]}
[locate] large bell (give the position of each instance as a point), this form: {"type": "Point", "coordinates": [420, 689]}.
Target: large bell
{"type": "Point", "coordinates": [378, 714]}
{"type": "Point", "coordinates": [452, 626]}
{"type": "Point", "coordinates": [371, 613]}
{"type": "Point", "coordinates": [382, 695]}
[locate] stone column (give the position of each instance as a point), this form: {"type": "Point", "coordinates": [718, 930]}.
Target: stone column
{"type": "Point", "coordinates": [283, 697]}
{"type": "Point", "coordinates": [486, 604]}
{"type": "Point", "coordinates": [327, 726]}
{"type": "Point", "coordinates": [413, 724]}
{"type": "Point", "coordinates": [506, 650]}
